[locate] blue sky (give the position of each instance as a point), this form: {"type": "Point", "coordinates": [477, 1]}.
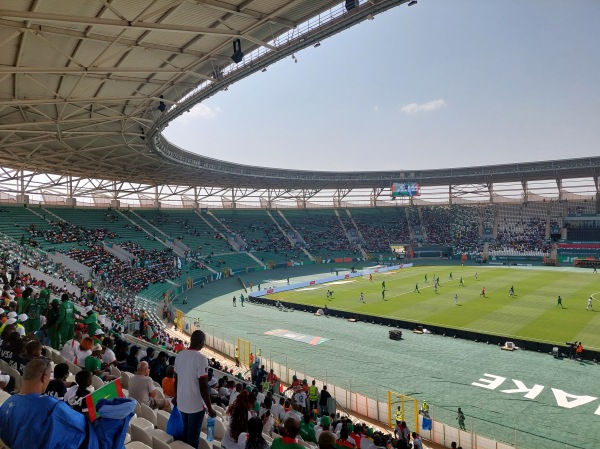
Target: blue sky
{"type": "Point", "coordinates": [440, 84]}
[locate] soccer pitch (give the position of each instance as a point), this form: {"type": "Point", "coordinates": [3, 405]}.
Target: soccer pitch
{"type": "Point", "coordinates": [531, 313]}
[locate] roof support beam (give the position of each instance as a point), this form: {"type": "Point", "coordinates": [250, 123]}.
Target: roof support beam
{"type": "Point", "coordinates": [91, 21]}
{"type": "Point", "coordinates": [75, 100]}
{"type": "Point", "coordinates": [81, 70]}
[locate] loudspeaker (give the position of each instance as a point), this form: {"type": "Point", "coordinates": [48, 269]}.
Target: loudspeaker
{"type": "Point", "coordinates": [351, 4]}
{"type": "Point", "coordinates": [238, 55]}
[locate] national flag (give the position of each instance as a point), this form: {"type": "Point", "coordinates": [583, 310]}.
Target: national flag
{"type": "Point", "coordinates": [108, 391]}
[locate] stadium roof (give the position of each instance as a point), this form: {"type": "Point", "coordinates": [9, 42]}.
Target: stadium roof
{"type": "Point", "coordinates": [81, 82]}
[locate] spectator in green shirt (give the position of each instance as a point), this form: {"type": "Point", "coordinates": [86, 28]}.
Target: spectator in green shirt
{"type": "Point", "coordinates": [307, 431]}
{"type": "Point", "coordinates": [93, 363]}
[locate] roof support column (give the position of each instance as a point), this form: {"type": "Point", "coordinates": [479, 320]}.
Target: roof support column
{"type": "Point", "coordinates": [70, 201]}
{"type": "Point", "coordinates": [491, 191]}
{"type": "Point", "coordinates": [525, 190]}
{"type": "Point", "coordinates": [560, 190]}
{"type": "Point", "coordinates": [196, 202]}
{"type": "Point", "coordinates": [233, 205]}
{"type": "Point", "coordinates": [156, 197]}
{"type": "Point", "coordinates": [21, 197]}
{"type": "Point", "coordinates": [450, 194]}
{"type": "Point", "coordinates": [595, 177]}
{"type": "Point", "coordinates": [114, 203]}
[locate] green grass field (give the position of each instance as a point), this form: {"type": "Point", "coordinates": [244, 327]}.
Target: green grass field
{"type": "Point", "coordinates": [532, 313]}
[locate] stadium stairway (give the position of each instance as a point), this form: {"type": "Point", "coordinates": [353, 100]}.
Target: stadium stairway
{"type": "Point", "coordinates": [292, 242]}
{"type": "Point", "coordinates": [300, 237]}
{"type": "Point", "coordinates": [126, 217]}
{"type": "Point", "coordinates": [135, 214]}
{"type": "Point", "coordinates": [231, 242]}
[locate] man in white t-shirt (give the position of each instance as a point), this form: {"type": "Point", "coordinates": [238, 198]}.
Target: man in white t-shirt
{"type": "Point", "coordinates": [109, 356]}
{"type": "Point", "coordinates": [192, 395]}
{"type": "Point", "coordinates": [300, 399]}
{"type": "Point", "coordinates": [278, 410]}
{"type": "Point", "coordinates": [69, 349]}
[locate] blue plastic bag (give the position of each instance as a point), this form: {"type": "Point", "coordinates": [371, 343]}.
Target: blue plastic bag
{"type": "Point", "coordinates": [175, 424]}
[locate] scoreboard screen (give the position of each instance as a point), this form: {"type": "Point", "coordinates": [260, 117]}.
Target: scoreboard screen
{"type": "Point", "coordinates": [408, 188]}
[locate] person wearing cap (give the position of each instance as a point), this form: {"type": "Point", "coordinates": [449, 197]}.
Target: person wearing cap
{"type": "Point", "coordinates": [52, 323]}
{"type": "Point", "coordinates": [66, 319]}
{"type": "Point", "coordinates": [11, 318]}
{"type": "Point", "coordinates": [91, 321]}
{"type": "Point", "coordinates": [300, 399]}
{"type": "Point", "coordinates": [94, 364]}
{"type": "Point", "coordinates": [313, 395]}
{"type": "Point", "coordinates": [20, 328]}
{"type": "Point", "coordinates": [98, 337]}
{"type": "Point", "coordinates": [323, 426]}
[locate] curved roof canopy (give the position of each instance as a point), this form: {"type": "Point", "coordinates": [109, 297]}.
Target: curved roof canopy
{"type": "Point", "coordinates": [81, 82]}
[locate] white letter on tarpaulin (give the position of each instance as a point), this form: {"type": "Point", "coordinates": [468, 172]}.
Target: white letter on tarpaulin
{"type": "Point", "coordinates": [562, 399]}
{"type": "Point", "coordinates": [490, 384]}
{"type": "Point", "coordinates": [532, 392]}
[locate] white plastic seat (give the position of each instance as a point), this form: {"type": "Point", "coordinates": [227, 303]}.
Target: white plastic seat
{"type": "Point", "coordinates": [97, 383]}
{"type": "Point", "coordinates": [141, 423]}
{"type": "Point", "coordinates": [147, 413]}
{"type": "Point", "coordinates": [125, 376]}
{"type": "Point", "coordinates": [157, 444]}
{"type": "Point", "coordinates": [137, 445]}
{"type": "Point", "coordinates": [3, 396]}
{"type": "Point", "coordinates": [204, 444]}
{"type": "Point", "coordinates": [139, 434]}
{"type": "Point", "coordinates": [177, 444]}
{"type": "Point", "coordinates": [219, 429]}
{"type": "Point", "coordinates": [162, 418]}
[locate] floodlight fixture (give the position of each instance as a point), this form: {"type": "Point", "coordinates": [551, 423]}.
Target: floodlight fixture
{"type": "Point", "coordinates": [238, 54]}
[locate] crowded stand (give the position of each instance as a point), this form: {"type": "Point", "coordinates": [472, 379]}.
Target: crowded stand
{"type": "Point", "coordinates": [381, 227]}
{"type": "Point", "coordinates": [150, 267]}
{"type": "Point", "coordinates": [323, 233]}
{"type": "Point", "coordinates": [100, 332]}
{"type": "Point", "coordinates": [64, 232]}
{"type": "Point", "coordinates": [521, 229]}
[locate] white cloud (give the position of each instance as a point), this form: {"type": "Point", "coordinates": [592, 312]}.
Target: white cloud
{"type": "Point", "coordinates": [415, 108]}
{"type": "Point", "coordinates": [202, 111]}
{"type": "Point", "coordinates": [376, 108]}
